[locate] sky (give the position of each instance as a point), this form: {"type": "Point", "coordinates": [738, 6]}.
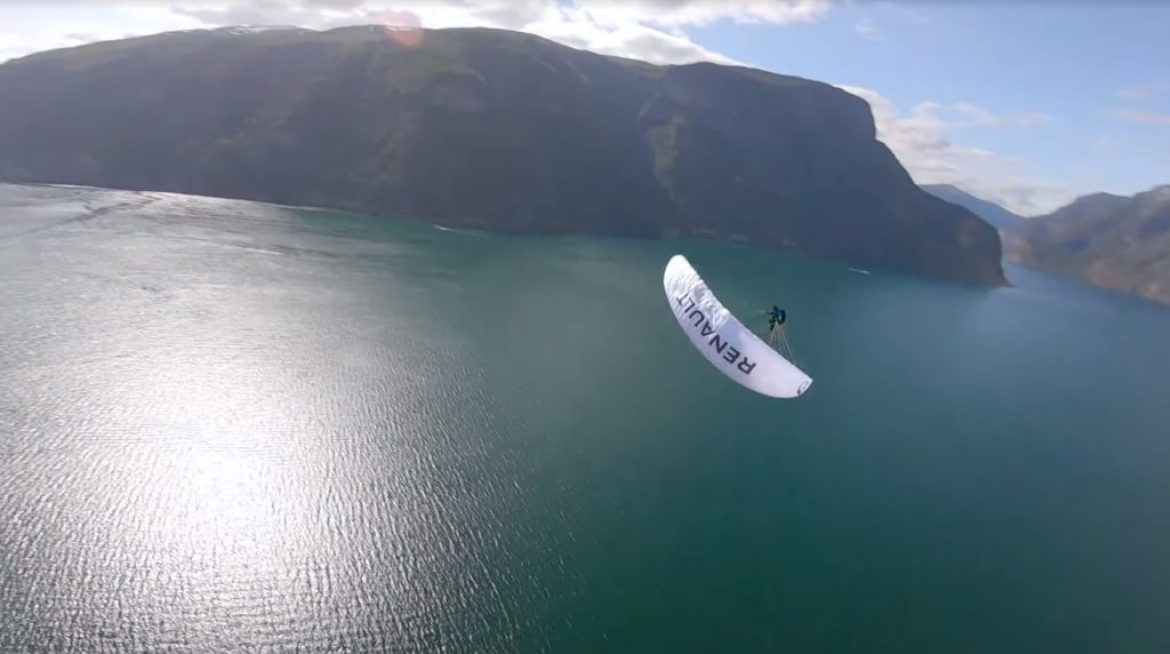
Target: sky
{"type": "Point", "coordinates": [1025, 103]}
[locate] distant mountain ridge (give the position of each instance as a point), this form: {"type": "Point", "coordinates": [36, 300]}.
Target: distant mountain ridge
{"type": "Point", "coordinates": [1113, 241]}
{"type": "Point", "coordinates": [485, 129]}
{"type": "Point", "coordinates": [999, 217]}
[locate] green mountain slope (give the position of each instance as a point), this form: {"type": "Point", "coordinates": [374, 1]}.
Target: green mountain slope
{"type": "Point", "coordinates": [489, 129]}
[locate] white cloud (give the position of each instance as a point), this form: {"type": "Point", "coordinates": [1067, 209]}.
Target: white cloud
{"type": "Point", "coordinates": [705, 12]}
{"type": "Point", "coordinates": [25, 29]}
{"type": "Point", "coordinates": [1143, 91]}
{"type": "Point", "coordinates": [18, 44]}
{"type": "Point", "coordinates": [645, 29]}
{"type": "Point", "coordinates": [905, 13]}
{"type": "Point", "coordinates": [1142, 116]}
{"type": "Point", "coordinates": [262, 12]}
{"type": "Point", "coordinates": [977, 116]}
{"type": "Point", "coordinates": [920, 141]}
{"type": "Point", "coordinates": [866, 29]}
{"type": "Point", "coordinates": [628, 39]}
{"type": "Point", "coordinates": [1104, 142]}
{"type": "Point", "coordinates": [1133, 93]}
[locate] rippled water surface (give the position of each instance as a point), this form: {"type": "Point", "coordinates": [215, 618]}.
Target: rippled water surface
{"type": "Point", "coordinates": [231, 427]}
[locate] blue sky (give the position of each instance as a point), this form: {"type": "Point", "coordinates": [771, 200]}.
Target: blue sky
{"type": "Point", "coordinates": [1101, 73]}
{"type": "Point", "coordinates": [1024, 103]}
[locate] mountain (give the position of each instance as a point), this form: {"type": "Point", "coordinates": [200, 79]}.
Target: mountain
{"type": "Point", "coordinates": [1113, 241]}
{"type": "Point", "coordinates": [488, 129]}
{"type": "Point", "coordinates": [999, 217]}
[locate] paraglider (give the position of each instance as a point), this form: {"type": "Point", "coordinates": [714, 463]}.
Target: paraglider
{"type": "Point", "coordinates": [725, 342]}
{"type": "Point", "coordinates": [776, 317]}
{"type": "Point", "coordinates": [776, 338]}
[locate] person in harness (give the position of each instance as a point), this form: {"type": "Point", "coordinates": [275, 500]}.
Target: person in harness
{"type": "Point", "coordinates": [776, 317]}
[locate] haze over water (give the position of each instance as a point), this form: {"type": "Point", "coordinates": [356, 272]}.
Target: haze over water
{"type": "Point", "coordinates": [234, 427]}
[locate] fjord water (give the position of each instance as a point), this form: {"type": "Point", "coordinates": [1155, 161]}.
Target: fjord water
{"type": "Point", "coordinates": [233, 427]}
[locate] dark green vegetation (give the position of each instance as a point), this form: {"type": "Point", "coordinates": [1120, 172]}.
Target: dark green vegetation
{"type": "Point", "coordinates": [1117, 242]}
{"type": "Point", "coordinates": [999, 217]}
{"type": "Point", "coordinates": [489, 129]}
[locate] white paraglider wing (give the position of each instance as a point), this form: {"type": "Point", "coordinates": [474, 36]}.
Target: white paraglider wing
{"type": "Point", "coordinates": [725, 342]}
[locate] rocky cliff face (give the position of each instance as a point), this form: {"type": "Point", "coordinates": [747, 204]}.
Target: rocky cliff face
{"type": "Point", "coordinates": [1113, 241]}
{"type": "Point", "coordinates": [485, 128]}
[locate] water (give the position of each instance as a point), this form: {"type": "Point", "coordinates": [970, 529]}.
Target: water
{"type": "Point", "coordinates": [233, 427]}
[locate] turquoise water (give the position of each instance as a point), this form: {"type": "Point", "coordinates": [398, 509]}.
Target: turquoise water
{"type": "Point", "coordinates": [235, 427]}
